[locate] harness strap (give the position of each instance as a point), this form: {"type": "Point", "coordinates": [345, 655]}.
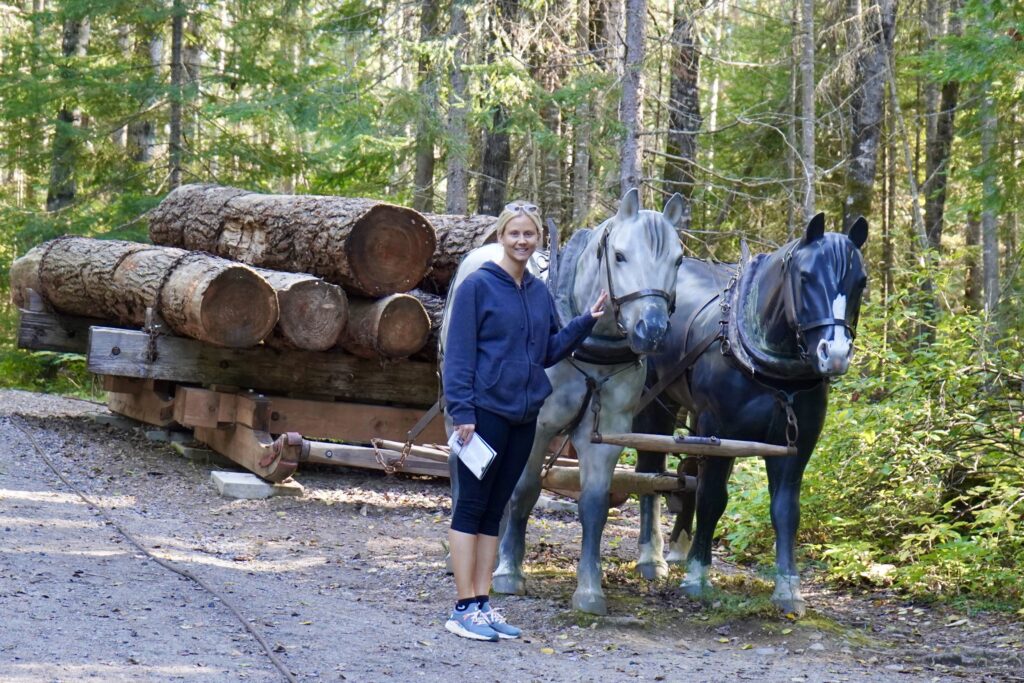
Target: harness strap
{"type": "Point", "coordinates": [685, 364]}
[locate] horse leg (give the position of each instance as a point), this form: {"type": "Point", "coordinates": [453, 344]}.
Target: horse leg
{"type": "Point", "coordinates": [597, 463]}
{"type": "Point", "coordinates": [651, 564]}
{"type": "Point", "coordinates": [508, 576]}
{"type": "Point", "coordinates": [712, 496]}
{"type": "Point", "coordinates": [785, 476]}
{"type": "Point", "coordinates": [682, 531]}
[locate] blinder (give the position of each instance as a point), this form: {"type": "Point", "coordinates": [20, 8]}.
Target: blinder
{"type": "Point", "coordinates": [617, 301]}
{"type": "Point", "coordinates": [789, 300]}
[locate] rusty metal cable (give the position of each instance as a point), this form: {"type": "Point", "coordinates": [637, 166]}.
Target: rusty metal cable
{"type": "Point", "coordinates": [160, 561]}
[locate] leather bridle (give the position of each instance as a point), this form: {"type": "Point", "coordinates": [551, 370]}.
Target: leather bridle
{"type": "Point", "coordinates": [617, 301]}
{"type": "Point", "coordinates": [789, 297]}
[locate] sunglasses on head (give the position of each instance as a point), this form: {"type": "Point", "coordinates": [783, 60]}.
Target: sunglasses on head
{"type": "Point", "coordinates": [524, 207]}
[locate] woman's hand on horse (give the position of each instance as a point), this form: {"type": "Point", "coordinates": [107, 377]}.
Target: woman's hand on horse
{"type": "Point", "coordinates": [465, 432]}
{"type": "Point", "coordinates": [597, 310]}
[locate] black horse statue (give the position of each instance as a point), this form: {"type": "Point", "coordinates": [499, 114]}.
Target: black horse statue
{"type": "Point", "coordinates": [749, 356]}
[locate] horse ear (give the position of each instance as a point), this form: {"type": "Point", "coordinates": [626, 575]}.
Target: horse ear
{"type": "Point", "coordinates": [744, 252]}
{"type": "Point", "coordinates": [858, 232]}
{"type": "Point", "coordinates": [815, 229]}
{"type": "Point", "coordinates": [673, 211]}
{"type": "Point", "coordinates": [629, 207]}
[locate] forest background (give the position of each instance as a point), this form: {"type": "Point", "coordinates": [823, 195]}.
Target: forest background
{"type": "Point", "coordinates": [760, 112]}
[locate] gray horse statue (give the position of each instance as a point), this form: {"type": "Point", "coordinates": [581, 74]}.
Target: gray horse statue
{"type": "Point", "coordinates": [635, 256]}
{"type": "Point", "coordinates": [752, 349]}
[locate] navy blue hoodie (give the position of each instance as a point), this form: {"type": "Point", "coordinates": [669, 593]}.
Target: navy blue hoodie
{"type": "Point", "coordinates": [500, 338]}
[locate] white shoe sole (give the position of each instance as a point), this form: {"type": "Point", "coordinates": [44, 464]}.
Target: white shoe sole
{"type": "Point", "coordinates": [505, 636]}
{"type": "Point", "coordinates": [455, 627]}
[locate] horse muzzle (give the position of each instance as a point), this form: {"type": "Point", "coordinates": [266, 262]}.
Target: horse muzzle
{"type": "Point", "coordinates": [833, 356]}
{"type": "Point", "coordinates": [648, 334]}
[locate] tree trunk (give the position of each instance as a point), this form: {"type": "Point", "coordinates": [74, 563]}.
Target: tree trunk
{"type": "Point", "coordinates": [973, 284]}
{"type": "Point", "coordinates": [149, 48]}
{"type": "Point", "coordinates": [684, 119]}
{"type": "Point", "coordinates": [191, 63]}
{"type": "Point", "coordinates": [198, 295]}
{"type": "Point", "coordinates": [866, 104]}
{"type": "Point", "coordinates": [456, 237]}
{"type": "Point", "coordinates": [807, 118]}
{"type": "Point", "coordinates": [496, 156]}
{"type": "Point", "coordinates": [581, 129]}
{"type": "Point", "coordinates": [551, 171]}
{"type": "Point", "coordinates": [313, 313]}
{"type": "Point", "coordinates": [456, 196]}
{"type": "Point", "coordinates": [396, 326]}
{"type": "Point", "coordinates": [62, 188]}
{"type": "Point", "coordinates": [369, 247]}
{"type": "Point", "coordinates": [174, 142]}
{"type": "Point", "coordinates": [938, 146]}
{"type": "Point", "coordinates": [990, 203]}
{"type": "Point", "coordinates": [434, 306]}
{"type": "Point", "coordinates": [631, 111]}
{"type": "Point", "coordinates": [423, 192]}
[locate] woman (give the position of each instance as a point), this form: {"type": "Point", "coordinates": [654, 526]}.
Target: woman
{"type": "Point", "coordinates": [503, 331]}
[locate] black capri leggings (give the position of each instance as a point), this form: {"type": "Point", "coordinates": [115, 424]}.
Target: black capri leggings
{"type": "Point", "coordinates": [481, 502]}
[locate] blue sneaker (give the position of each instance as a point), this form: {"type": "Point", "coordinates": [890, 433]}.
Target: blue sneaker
{"type": "Point", "coordinates": [497, 622]}
{"type": "Point", "coordinates": [472, 624]}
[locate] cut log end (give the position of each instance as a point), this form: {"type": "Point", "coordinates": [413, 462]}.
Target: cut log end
{"type": "Point", "coordinates": [386, 241]}
{"type": "Point", "coordinates": [405, 328]}
{"type": "Point", "coordinates": [313, 315]}
{"type": "Point", "coordinates": [239, 308]}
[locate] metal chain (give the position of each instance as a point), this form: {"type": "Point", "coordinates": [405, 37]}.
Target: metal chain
{"type": "Point", "coordinates": [390, 467]}
{"type": "Point", "coordinates": [792, 426]}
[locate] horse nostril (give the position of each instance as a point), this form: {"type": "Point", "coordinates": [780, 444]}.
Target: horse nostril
{"type": "Point", "coordinates": [823, 351]}
{"type": "Point", "coordinates": [641, 329]}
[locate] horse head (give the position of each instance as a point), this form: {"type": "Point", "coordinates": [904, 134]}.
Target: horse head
{"type": "Point", "coordinates": [636, 255]}
{"type": "Point", "coordinates": [824, 279]}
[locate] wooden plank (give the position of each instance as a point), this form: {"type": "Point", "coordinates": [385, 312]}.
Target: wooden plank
{"type": "Point", "coordinates": [324, 453]}
{"type": "Point", "coordinates": [689, 445]}
{"type": "Point", "coordinates": [123, 352]}
{"type": "Point", "coordinates": [150, 401]}
{"type": "Point", "coordinates": [355, 422]}
{"type": "Point", "coordinates": [273, 460]}
{"type": "Point", "coordinates": [46, 331]}
{"type": "Point", "coordinates": [125, 385]}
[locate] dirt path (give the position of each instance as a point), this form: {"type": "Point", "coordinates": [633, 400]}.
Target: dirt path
{"type": "Point", "coordinates": [348, 583]}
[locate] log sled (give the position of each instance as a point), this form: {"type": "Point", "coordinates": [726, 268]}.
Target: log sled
{"type": "Point", "coordinates": [282, 330]}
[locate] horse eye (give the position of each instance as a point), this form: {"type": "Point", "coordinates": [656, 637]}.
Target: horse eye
{"type": "Point", "coordinates": [862, 283]}
{"type": "Point", "coordinates": [620, 257]}
{"type": "Point", "coordinates": [679, 261]}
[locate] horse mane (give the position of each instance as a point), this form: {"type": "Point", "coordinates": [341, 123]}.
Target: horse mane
{"type": "Point", "coordinates": [568, 259]}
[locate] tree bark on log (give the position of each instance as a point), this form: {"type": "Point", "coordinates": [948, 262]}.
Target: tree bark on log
{"type": "Point", "coordinates": [313, 312]}
{"type": "Point", "coordinates": [434, 306]}
{"type": "Point", "coordinates": [198, 295]}
{"type": "Point", "coordinates": [393, 327]}
{"type": "Point", "coordinates": [369, 247]}
{"type": "Point", "coordinates": [456, 237]}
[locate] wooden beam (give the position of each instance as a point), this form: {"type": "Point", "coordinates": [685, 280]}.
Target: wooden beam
{"type": "Point", "coordinates": [695, 445]}
{"type": "Point", "coordinates": [256, 451]}
{"type": "Point", "coordinates": [148, 401]}
{"type": "Point", "coordinates": [124, 352]}
{"type": "Point", "coordinates": [642, 483]}
{"type": "Point", "coordinates": [324, 453]}
{"type": "Point", "coordinates": [47, 331]}
{"type": "Point", "coordinates": [353, 422]}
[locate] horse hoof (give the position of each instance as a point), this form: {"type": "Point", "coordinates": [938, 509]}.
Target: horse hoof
{"type": "Point", "coordinates": [787, 595]}
{"type": "Point", "coordinates": [509, 584]}
{"type": "Point", "coordinates": [652, 570]}
{"type": "Point", "coordinates": [695, 589]}
{"type": "Point", "coordinates": [591, 603]}
{"type": "Point", "coordinates": [678, 550]}
{"type": "Point", "coordinates": [795, 606]}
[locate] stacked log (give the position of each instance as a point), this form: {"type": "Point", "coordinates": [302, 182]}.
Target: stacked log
{"type": "Point", "coordinates": [313, 312]}
{"type": "Point", "coordinates": [396, 326]}
{"type": "Point", "coordinates": [369, 247]}
{"type": "Point", "coordinates": [456, 237]}
{"type": "Point", "coordinates": [198, 295]}
{"type": "Point", "coordinates": [434, 307]}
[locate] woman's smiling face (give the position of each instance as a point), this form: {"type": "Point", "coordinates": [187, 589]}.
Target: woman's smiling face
{"type": "Point", "coordinates": [520, 238]}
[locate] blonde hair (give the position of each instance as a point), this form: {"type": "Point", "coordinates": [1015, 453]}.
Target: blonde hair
{"type": "Point", "coordinates": [514, 209]}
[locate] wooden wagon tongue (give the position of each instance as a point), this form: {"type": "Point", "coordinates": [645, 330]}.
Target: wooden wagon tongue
{"type": "Point", "coordinates": [696, 445]}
